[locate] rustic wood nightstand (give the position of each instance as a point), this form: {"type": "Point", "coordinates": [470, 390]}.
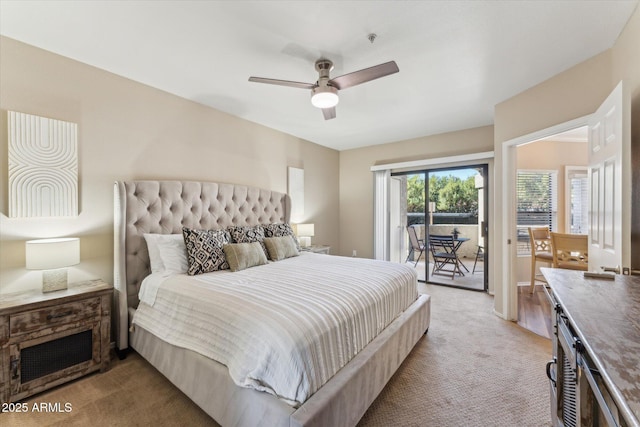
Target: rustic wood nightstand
{"type": "Point", "coordinates": [49, 339]}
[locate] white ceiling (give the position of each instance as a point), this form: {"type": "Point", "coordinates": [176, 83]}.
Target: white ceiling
{"type": "Point", "coordinates": [457, 59]}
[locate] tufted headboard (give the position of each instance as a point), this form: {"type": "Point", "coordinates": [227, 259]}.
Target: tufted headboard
{"type": "Point", "coordinates": [164, 207]}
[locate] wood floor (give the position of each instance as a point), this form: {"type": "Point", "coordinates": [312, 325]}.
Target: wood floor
{"type": "Point", "coordinates": [534, 311]}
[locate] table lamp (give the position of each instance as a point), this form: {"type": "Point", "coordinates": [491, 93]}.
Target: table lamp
{"type": "Point", "coordinates": [305, 232]}
{"type": "Point", "coordinates": [52, 256]}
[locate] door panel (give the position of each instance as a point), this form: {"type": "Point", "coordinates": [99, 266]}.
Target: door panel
{"type": "Point", "coordinates": [608, 226]}
{"type": "Point", "coordinates": [605, 170]}
{"type": "Point", "coordinates": [594, 228]}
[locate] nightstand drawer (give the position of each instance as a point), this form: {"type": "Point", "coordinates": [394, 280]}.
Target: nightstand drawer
{"type": "Point", "coordinates": [34, 320]}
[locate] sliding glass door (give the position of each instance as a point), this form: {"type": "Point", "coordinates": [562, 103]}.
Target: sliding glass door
{"type": "Point", "coordinates": [439, 224]}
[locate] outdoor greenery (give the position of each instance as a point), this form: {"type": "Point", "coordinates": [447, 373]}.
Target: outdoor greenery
{"type": "Point", "coordinates": [415, 194]}
{"type": "Point", "coordinates": [449, 193]}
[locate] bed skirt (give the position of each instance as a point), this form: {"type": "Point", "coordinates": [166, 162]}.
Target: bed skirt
{"type": "Point", "coordinates": [342, 401]}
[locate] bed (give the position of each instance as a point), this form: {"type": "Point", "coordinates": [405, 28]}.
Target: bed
{"type": "Point", "coordinates": [165, 207]}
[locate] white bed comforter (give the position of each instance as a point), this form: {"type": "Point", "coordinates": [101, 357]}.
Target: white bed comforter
{"type": "Point", "coordinates": [286, 327]}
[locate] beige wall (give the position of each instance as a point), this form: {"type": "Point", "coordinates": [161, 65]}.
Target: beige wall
{"type": "Point", "coordinates": [131, 131]}
{"type": "Point", "coordinates": [571, 94]}
{"type": "Point", "coordinates": [356, 178]}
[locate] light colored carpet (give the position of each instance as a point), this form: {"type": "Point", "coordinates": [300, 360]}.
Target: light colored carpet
{"type": "Point", "coordinates": [471, 369]}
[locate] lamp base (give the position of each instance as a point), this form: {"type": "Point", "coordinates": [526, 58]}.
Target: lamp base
{"type": "Point", "coordinates": [54, 280]}
{"type": "Point", "coordinates": [305, 241]}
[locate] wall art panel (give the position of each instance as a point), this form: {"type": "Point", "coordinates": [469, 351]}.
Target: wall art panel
{"type": "Point", "coordinates": [43, 167]}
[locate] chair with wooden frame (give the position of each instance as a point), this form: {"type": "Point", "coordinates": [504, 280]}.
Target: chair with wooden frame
{"type": "Point", "coordinates": [570, 251]}
{"type": "Point", "coordinates": [416, 243]}
{"type": "Point", "coordinates": [540, 238]}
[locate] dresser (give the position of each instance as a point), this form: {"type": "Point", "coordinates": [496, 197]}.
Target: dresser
{"type": "Point", "coordinates": [49, 339]}
{"type": "Point", "coordinates": [595, 368]}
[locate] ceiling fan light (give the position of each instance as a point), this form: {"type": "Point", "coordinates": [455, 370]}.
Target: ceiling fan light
{"type": "Point", "coordinates": [324, 97]}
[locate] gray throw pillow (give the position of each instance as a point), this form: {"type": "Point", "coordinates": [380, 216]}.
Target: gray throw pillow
{"type": "Point", "coordinates": [247, 234]}
{"type": "Point", "coordinates": [244, 255]}
{"type": "Point", "coordinates": [280, 247]}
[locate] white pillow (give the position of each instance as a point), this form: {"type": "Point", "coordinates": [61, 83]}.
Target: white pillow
{"type": "Point", "coordinates": [173, 253]}
{"type": "Point", "coordinates": [154, 255]}
{"type": "Point", "coordinates": [154, 243]}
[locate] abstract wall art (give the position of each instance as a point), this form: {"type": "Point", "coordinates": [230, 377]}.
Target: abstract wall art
{"type": "Point", "coordinates": [43, 167]}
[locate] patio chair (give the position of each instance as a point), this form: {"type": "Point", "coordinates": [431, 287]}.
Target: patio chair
{"type": "Point", "coordinates": [417, 244]}
{"type": "Point", "coordinates": [443, 252]}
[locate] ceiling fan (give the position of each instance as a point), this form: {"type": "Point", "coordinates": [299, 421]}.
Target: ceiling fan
{"type": "Point", "coordinates": [324, 92]}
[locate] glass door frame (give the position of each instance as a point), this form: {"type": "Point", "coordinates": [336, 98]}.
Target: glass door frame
{"type": "Point", "coordinates": [483, 168]}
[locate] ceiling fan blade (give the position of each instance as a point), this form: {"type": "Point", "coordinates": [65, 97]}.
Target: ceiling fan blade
{"type": "Point", "coordinates": [282, 82]}
{"type": "Point", "coordinates": [363, 76]}
{"type": "Point", "coordinates": [329, 113]}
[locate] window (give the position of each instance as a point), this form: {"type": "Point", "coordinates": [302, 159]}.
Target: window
{"type": "Point", "coordinates": [577, 191]}
{"type": "Point", "coordinates": [536, 204]}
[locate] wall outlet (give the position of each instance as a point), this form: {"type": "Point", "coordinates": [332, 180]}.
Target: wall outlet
{"type": "Point", "coordinates": [355, 253]}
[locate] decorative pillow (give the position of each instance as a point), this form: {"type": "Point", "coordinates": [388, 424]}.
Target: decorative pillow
{"type": "Point", "coordinates": [280, 247]}
{"type": "Point", "coordinates": [153, 242]}
{"type": "Point", "coordinates": [244, 255]}
{"type": "Point", "coordinates": [204, 250]}
{"type": "Point", "coordinates": [280, 229]}
{"type": "Point", "coordinates": [247, 234]}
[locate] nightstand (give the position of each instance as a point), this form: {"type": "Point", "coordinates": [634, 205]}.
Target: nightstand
{"type": "Point", "coordinates": [318, 249]}
{"type": "Point", "coordinates": [49, 339]}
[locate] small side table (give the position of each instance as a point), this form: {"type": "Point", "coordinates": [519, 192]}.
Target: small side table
{"type": "Point", "coordinates": [49, 339]}
{"type": "Point", "coordinates": [318, 249]}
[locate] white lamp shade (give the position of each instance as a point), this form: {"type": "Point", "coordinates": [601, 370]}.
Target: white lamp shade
{"type": "Point", "coordinates": [305, 230]}
{"type": "Point", "coordinates": [46, 254]}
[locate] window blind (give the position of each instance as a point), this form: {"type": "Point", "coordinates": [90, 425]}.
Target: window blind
{"type": "Point", "coordinates": [579, 196]}
{"type": "Point", "coordinates": [536, 204]}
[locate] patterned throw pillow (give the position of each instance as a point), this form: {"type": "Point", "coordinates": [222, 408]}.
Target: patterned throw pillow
{"type": "Point", "coordinates": [248, 234]}
{"type": "Point", "coordinates": [204, 250]}
{"type": "Point", "coordinates": [280, 229]}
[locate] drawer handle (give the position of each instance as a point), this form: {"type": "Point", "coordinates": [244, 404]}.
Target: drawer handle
{"type": "Point", "coordinates": [59, 315]}
{"type": "Point", "coordinates": [549, 364]}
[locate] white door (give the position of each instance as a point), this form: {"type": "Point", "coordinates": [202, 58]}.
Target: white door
{"type": "Point", "coordinates": [606, 227]}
